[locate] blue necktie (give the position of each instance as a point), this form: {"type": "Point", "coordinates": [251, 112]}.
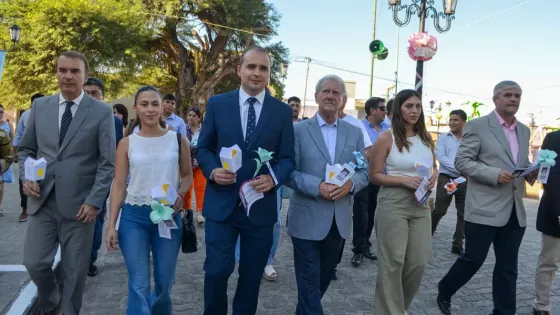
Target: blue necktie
{"type": "Point", "coordinates": [66, 121]}
{"type": "Point", "coordinates": [251, 121]}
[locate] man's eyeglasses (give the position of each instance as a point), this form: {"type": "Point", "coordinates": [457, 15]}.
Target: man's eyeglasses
{"type": "Point", "coordinates": [382, 108]}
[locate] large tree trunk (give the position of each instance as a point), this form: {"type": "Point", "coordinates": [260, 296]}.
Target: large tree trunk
{"type": "Point", "coordinates": [200, 68]}
{"type": "Point", "coordinates": [204, 87]}
{"type": "Point", "coordinates": [184, 63]}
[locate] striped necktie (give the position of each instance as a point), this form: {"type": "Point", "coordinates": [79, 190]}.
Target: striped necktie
{"type": "Point", "coordinates": [66, 121]}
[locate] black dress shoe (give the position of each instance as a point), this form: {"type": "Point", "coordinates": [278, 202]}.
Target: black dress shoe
{"type": "Point", "coordinates": [444, 305]}
{"type": "Point", "coordinates": [93, 270]}
{"type": "Point", "coordinates": [369, 255]}
{"type": "Point", "coordinates": [537, 312]}
{"type": "Point", "coordinates": [457, 250]}
{"type": "Point", "coordinates": [357, 259]}
{"type": "Point", "coordinates": [334, 275]}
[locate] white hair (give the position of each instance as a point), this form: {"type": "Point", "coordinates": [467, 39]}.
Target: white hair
{"type": "Point", "coordinates": [331, 77]}
{"type": "Point", "coordinates": [505, 85]}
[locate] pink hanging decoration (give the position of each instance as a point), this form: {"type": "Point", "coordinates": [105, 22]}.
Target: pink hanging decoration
{"type": "Point", "coordinates": [422, 46]}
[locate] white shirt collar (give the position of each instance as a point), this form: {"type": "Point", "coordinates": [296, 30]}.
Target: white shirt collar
{"type": "Point", "coordinates": [243, 96]}
{"type": "Point", "coordinates": [62, 100]}
{"type": "Point", "coordinates": [322, 122]}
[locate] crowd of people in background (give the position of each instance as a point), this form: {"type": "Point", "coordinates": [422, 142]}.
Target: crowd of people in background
{"type": "Point", "coordinates": [98, 159]}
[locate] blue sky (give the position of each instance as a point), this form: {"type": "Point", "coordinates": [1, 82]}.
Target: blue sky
{"type": "Point", "coordinates": [489, 41]}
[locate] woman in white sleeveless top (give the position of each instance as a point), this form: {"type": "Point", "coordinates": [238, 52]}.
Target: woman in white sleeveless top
{"type": "Point", "coordinates": [403, 227]}
{"type": "Point", "coordinates": [152, 157]}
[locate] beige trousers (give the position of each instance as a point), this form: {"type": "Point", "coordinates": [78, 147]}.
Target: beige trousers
{"type": "Point", "coordinates": [404, 246]}
{"type": "Point", "coordinates": [546, 270]}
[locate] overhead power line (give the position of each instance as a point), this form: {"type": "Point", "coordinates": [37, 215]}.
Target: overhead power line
{"type": "Point", "coordinates": [326, 65]}
{"type": "Point", "coordinates": [208, 23]}
{"type": "Point", "coordinates": [489, 16]}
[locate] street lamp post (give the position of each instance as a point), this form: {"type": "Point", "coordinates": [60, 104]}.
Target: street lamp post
{"type": "Point", "coordinates": [284, 72]}
{"type": "Point", "coordinates": [423, 9]}
{"type": "Point", "coordinates": [438, 112]}
{"type": "Point", "coordinates": [439, 115]}
{"type": "Point", "coordinates": [15, 33]}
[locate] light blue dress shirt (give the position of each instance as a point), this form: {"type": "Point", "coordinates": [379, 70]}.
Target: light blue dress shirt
{"type": "Point", "coordinates": [20, 128]}
{"type": "Point", "coordinates": [446, 150]}
{"type": "Point", "coordinates": [177, 123]}
{"type": "Point", "coordinates": [372, 132]}
{"type": "Point", "coordinates": [330, 132]}
{"type": "Point", "coordinates": [387, 122]}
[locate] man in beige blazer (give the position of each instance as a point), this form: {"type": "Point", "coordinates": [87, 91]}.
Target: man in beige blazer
{"type": "Point", "coordinates": [491, 149]}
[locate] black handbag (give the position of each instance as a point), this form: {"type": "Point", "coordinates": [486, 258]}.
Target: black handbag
{"type": "Point", "coordinates": [189, 243]}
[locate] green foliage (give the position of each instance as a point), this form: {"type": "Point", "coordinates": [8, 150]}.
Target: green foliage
{"type": "Point", "coordinates": [175, 45]}
{"type": "Point", "coordinates": [112, 34]}
{"type": "Point", "coordinates": [475, 113]}
{"type": "Point", "coordinates": [201, 53]}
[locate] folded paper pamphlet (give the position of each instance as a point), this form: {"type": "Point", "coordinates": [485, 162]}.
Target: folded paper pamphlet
{"type": "Point", "coordinates": [451, 186]}
{"type": "Point", "coordinates": [424, 170]}
{"type": "Point", "coordinates": [338, 174]}
{"type": "Point", "coordinates": [249, 196]}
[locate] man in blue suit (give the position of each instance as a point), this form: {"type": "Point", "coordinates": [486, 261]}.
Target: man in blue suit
{"type": "Point", "coordinates": [250, 118]}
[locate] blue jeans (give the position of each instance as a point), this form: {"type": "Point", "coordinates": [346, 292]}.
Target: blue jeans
{"type": "Point", "coordinates": [275, 233]}
{"type": "Point", "coordinates": [98, 234]}
{"type": "Point", "coordinates": [137, 235]}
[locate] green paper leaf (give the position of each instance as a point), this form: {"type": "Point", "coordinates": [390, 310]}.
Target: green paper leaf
{"type": "Point", "coordinates": [160, 212]}
{"type": "Point", "coordinates": [259, 165]}
{"type": "Point", "coordinates": [264, 155]}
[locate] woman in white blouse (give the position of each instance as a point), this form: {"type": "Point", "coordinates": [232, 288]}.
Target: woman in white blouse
{"type": "Point", "coordinates": [402, 224]}
{"type": "Point", "coordinates": [153, 157]}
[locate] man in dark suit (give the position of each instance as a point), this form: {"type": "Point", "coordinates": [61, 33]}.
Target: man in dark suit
{"type": "Point", "coordinates": [250, 118]}
{"type": "Point", "coordinates": [96, 89]}
{"type": "Point", "coordinates": [76, 136]}
{"type": "Point", "coordinates": [548, 223]}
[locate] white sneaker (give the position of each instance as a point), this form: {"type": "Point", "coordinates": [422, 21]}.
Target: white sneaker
{"type": "Point", "coordinates": [269, 273]}
{"type": "Point", "coordinates": [200, 219]}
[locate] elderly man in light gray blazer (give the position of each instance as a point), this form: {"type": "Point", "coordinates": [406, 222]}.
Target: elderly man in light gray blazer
{"type": "Point", "coordinates": [75, 134]}
{"type": "Point", "coordinates": [492, 148]}
{"type": "Point", "coordinates": [320, 214]}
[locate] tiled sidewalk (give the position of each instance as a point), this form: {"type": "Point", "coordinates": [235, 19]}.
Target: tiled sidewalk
{"type": "Point", "coordinates": [352, 294]}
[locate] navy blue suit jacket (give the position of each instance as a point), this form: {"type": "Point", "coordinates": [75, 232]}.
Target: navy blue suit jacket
{"type": "Point", "coordinates": [222, 128]}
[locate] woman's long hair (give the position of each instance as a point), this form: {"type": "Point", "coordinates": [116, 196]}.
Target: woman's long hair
{"type": "Point", "coordinates": [136, 122]}
{"type": "Point", "coordinates": [399, 128]}
{"type": "Point", "coordinates": [121, 109]}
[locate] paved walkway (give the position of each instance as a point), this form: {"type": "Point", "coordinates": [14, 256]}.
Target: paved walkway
{"type": "Point", "coordinates": [11, 245]}
{"type": "Point", "coordinates": [352, 294]}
